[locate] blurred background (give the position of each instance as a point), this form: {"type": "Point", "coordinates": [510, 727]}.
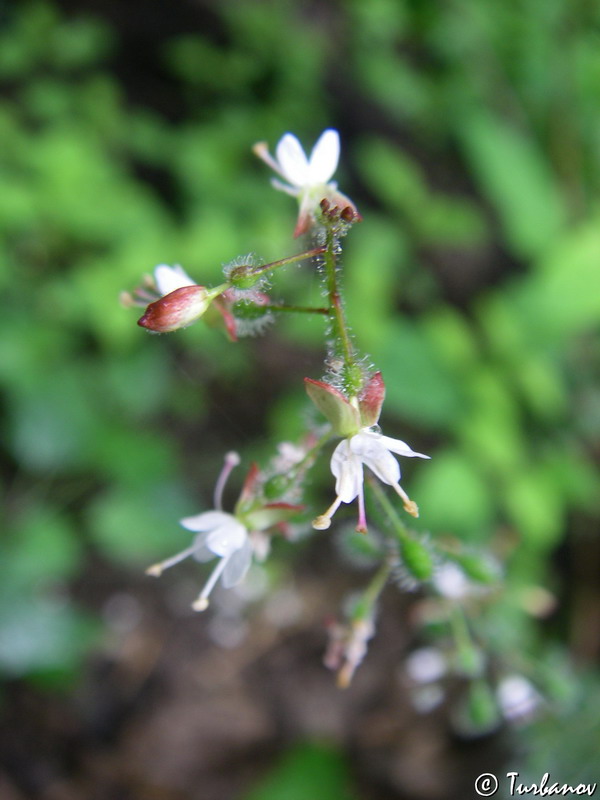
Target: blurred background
{"type": "Point", "coordinates": [471, 144]}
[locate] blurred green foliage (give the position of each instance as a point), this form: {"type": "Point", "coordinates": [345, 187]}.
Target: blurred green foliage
{"type": "Point", "coordinates": [472, 149]}
{"type": "Point", "coordinates": [307, 770]}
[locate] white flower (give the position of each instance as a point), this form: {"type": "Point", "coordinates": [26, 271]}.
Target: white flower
{"type": "Point", "coordinates": [371, 448]}
{"type": "Point", "coordinates": [347, 647]}
{"type": "Point", "coordinates": [308, 179]}
{"type": "Point", "coordinates": [302, 173]}
{"type": "Point", "coordinates": [168, 279]}
{"type": "Point", "coordinates": [450, 581]}
{"type": "Point", "coordinates": [518, 698]}
{"type": "Point", "coordinates": [426, 665]}
{"type": "Point", "coordinates": [219, 534]}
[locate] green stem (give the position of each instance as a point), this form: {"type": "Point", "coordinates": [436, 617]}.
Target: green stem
{"type": "Point", "coordinates": [465, 647]}
{"type": "Point", "coordinates": [337, 317]}
{"type": "Point", "coordinates": [260, 270]}
{"type": "Point", "coordinates": [296, 309]}
{"type": "Point", "coordinates": [336, 310]}
{"type": "Point", "coordinates": [398, 527]}
{"type": "Point", "coordinates": [364, 605]}
{"type": "Point", "coordinates": [378, 583]}
{"type": "Point", "coordinates": [460, 629]}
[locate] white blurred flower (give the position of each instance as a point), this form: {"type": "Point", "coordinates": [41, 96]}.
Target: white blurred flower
{"type": "Point", "coordinates": [219, 534]}
{"type": "Point", "coordinates": [450, 581]}
{"type": "Point", "coordinates": [347, 647]}
{"type": "Point", "coordinates": [300, 172]}
{"type": "Point", "coordinates": [370, 448]}
{"type": "Point", "coordinates": [517, 697]}
{"type": "Point", "coordinates": [308, 179]}
{"type": "Point", "coordinates": [426, 665]}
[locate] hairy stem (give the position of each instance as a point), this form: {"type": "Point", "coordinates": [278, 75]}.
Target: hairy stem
{"type": "Point", "coordinates": [337, 317]}
{"type": "Point", "coordinates": [295, 309]}
{"type": "Point", "coordinates": [282, 262]}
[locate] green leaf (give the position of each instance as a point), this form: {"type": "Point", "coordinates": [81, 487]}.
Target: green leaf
{"type": "Point", "coordinates": [515, 175]}
{"type": "Point", "coordinates": [308, 770]}
{"type": "Point", "coordinates": [137, 525]}
{"type": "Point", "coordinates": [535, 506]}
{"type": "Point", "coordinates": [453, 496]}
{"type": "Point", "coordinates": [40, 634]}
{"type": "Point", "coordinates": [563, 297]}
{"type": "Point", "coordinates": [42, 549]}
{"type": "Point", "coordinates": [418, 383]}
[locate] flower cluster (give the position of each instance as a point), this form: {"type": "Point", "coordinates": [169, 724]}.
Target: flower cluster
{"type": "Point", "coordinates": [233, 538]}
{"type": "Point", "coordinates": [351, 405]}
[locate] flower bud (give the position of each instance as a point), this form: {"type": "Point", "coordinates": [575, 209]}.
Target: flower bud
{"type": "Point", "coordinates": [416, 558]}
{"type": "Point", "coordinates": [242, 277]}
{"type": "Point", "coordinates": [176, 309]}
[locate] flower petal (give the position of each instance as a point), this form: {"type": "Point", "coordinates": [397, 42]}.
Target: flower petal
{"type": "Point", "coordinates": [168, 279]}
{"type": "Point", "coordinates": [384, 466]}
{"type": "Point", "coordinates": [398, 446]}
{"type": "Point", "coordinates": [207, 521]}
{"type": "Point", "coordinates": [201, 552]}
{"type": "Point", "coordinates": [347, 469]}
{"type": "Point", "coordinates": [227, 538]}
{"type": "Point", "coordinates": [324, 157]}
{"type": "Point", "coordinates": [369, 448]}
{"type": "Point", "coordinates": [237, 565]}
{"type": "Point", "coordinates": [292, 160]}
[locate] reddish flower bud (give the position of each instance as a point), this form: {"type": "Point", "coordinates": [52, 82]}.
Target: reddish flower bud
{"type": "Point", "coordinates": [176, 309]}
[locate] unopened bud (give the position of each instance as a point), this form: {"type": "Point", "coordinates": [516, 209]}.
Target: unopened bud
{"type": "Point", "coordinates": [276, 486]}
{"type": "Point", "coordinates": [176, 309]}
{"type": "Point", "coordinates": [416, 558]}
{"type": "Point", "coordinates": [242, 277]}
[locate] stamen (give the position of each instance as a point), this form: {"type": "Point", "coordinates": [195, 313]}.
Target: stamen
{"type": "Point", "coordinates": [232, 459]}
{"type": "Point", "coordinates": [362, 517]}
{"type": "Point", "coordinates": [323, 521]}
{"type": "Point", "coordinates": [344, 676]}
{"type": "Point", "coordinates": [157, 569]}
{"type": "Point", "coordinates": [409, 505]}
{"type": "Point", "coordinates": [201, 602]}
{"type": "Point", "coordinates": [261, 149]}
